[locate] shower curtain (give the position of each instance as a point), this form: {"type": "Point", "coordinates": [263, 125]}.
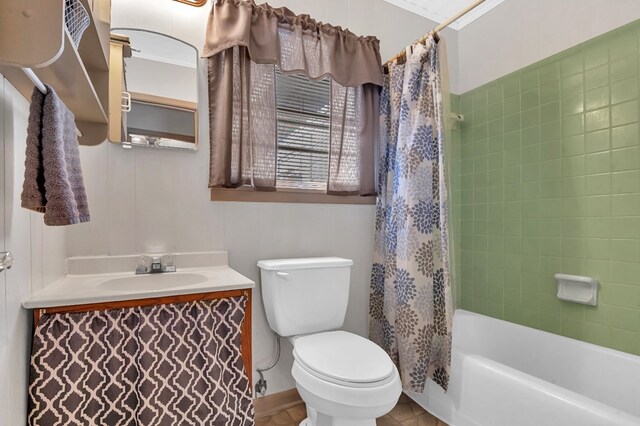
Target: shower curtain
{"type": "Point", "coordinates": [410, 305]}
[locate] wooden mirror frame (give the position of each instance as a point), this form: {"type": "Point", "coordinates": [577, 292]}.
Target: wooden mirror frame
{"type": "Point", "coordinates": [196, 3]}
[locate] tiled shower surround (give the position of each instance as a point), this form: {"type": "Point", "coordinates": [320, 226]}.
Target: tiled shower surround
{"type": "Point", "coordinates": [546, 179]}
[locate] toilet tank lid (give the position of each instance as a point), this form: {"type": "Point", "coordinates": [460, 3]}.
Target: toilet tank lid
{"type": "Point", "coordinates": [303, 263]}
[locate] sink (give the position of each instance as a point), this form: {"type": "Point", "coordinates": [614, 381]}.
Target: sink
{"type": "Point", "coordinates": [103, 279]}
{"type": "Point", "coordinates": [152, 282]}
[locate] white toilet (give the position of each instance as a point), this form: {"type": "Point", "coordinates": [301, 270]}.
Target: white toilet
{"type": "Point", "coordinates": [343, 378]}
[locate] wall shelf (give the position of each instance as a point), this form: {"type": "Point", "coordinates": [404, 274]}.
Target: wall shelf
{"type": "Point", "coordinates": [80, 76]}
{"type": "Point", "coordinates": [96, 38]}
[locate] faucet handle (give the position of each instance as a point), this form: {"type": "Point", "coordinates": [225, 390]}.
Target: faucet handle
{"type": "Point", "coordinates": [144, 264]}
{"type": "Point", "coordinates": [167, 263]}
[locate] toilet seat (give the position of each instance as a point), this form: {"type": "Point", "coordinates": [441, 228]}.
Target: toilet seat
{"type": "Point", "coordinates": [344, 359]}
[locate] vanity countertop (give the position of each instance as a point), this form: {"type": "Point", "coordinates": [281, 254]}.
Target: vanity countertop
{"type": "Point", "coordinates": [88, 288]}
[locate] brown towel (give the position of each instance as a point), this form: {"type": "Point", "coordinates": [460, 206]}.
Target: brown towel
{"type": "Point", "coordinates": [53, 177]}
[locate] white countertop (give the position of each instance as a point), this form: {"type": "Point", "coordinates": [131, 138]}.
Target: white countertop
{"type": "Point", "coordinates": [80, 289]}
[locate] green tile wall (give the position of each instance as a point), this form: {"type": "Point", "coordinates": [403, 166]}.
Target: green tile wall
{"type": "Point", "coordinates": [546, 179]}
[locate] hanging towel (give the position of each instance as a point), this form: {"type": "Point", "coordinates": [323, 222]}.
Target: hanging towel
{"type": "Point", "coordinates": [53, 178]}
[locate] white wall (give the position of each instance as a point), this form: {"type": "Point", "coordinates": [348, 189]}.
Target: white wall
{"type": "Point", "coordinates": [518, 33]}
{"type": "Point", "coordinates": [157, 201]}
{"type": "Point", "coordinates": [39, 257]}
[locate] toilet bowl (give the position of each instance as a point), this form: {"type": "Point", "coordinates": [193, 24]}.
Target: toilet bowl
{"type": "Point", "coordinates": [344, 379]}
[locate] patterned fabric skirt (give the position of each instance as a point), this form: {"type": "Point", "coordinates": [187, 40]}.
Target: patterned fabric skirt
{"type": "Point", "coordinates": [177, 364]}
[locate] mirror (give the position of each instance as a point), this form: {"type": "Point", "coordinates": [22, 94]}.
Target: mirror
{"type": "Point", "coordinates": [160, 97]}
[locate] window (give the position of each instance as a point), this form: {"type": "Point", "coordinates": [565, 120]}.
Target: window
{"type": "Point", "coordinates": [273, 133]}
{"type": "Point", "coordinates": [303, 126]}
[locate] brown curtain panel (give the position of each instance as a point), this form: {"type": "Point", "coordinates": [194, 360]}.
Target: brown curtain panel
{"type": "Point", "coordinates": [244, 43]}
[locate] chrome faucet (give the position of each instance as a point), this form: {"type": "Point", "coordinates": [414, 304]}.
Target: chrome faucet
{"type": "Point", "coordinates": [155, 264]}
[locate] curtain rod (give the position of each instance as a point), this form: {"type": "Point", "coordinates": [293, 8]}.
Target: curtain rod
{"type": "Point", "coordinates": [440, 27]}
{"type": "Point", "coordinates": [42, 88]}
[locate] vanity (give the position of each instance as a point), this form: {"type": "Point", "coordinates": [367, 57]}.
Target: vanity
{"type": "Point", "coordinates": [165, 346]}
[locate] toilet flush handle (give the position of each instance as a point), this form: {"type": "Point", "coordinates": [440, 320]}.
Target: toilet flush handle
{"type": "Point", "coordinates": [284, 275]}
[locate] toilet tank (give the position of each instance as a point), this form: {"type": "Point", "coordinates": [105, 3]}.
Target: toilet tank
{"type": "Point", "coordinates": [305, 295]}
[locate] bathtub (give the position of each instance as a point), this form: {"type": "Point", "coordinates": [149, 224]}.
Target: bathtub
{"type": "Point", "coordinates": [504, 374]}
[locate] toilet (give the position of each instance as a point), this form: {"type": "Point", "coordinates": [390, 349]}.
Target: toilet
{"type": "Point", "coordinates": [343, 378]}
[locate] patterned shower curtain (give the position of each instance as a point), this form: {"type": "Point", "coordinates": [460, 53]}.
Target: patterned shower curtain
{"type": "Point", "coordinates": [410, 305]}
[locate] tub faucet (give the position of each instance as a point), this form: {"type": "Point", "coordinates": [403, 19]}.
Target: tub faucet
{"type": "Point", "coordinates": [155, 264]}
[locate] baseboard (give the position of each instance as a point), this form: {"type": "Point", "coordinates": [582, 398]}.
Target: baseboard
{"type": "Point", "coordinates": [274, 403]}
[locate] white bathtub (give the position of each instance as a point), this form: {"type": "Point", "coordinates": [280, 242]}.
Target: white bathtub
{"type": "Point", "coordinates": [505, 374]}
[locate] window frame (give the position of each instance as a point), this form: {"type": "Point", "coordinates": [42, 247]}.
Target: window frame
{"type": "Point", "coordinates": [286, 195]}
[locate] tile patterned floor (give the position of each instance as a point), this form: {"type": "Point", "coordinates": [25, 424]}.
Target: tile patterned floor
{"type": "Point", "coordinates": [406, 413]}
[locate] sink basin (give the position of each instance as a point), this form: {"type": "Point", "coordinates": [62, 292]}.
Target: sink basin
{"type": "Point", "coordinates": [152, 282]}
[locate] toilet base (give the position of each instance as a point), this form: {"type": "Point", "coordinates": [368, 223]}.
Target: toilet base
{"type": "Point", "coordinates": [320, 419]}
{"type": "Point", "coordinates": [340, 422]}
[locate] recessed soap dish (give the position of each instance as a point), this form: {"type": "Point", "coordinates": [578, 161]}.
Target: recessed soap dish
{"type": "Point", "coordinates": [574, 288]}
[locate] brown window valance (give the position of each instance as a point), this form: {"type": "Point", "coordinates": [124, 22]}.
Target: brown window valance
{"type": "Point", "coordinates": [348, 59]}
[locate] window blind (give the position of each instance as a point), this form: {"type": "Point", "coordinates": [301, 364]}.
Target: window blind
{"type": "Point", "coordinates": [303, 125]}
